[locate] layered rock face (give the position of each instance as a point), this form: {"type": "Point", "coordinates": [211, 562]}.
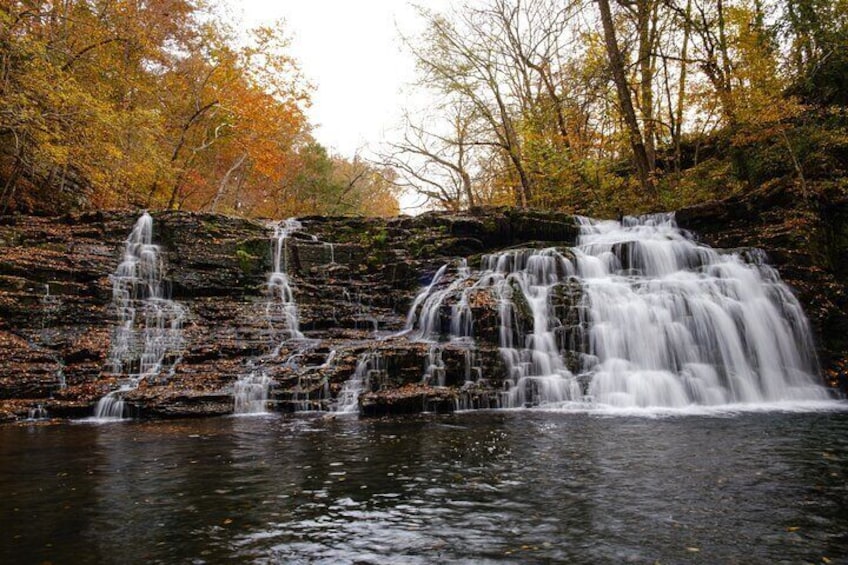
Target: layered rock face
{"type": "Point", "coordinates": [352, 282]}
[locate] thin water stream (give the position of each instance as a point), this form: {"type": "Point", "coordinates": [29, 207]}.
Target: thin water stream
{"type": "Point", "coordinates": [483, 487]}
{"type": "Point", "coordinates": [149, 323]}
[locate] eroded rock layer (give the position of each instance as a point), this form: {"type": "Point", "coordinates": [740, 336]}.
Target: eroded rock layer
{"type": "Point", "coordinates": [353, 281]}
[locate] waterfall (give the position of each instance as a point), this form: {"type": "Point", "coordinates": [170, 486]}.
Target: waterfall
{"type": "Point", "coordinates": [369, 365]}
{"type": "Point", "coordinates": [282, 308]}
{"type": "Point", "coordinates": [674, 323]}
{"type": "Point", "coordinates": [250, 393]}
{"type": "Point", "coordinates": [413, 316]}
{"type": "Point", "coordinates": [637, 315]}
{"type": "Point", "coordinates": [251, 390]}
{"type": "Point", "coordinates": [37, 412]}
{"type": "Point", "coordinates": [149, 329]}
{"type": "Point", "coordinates": [425, 321]}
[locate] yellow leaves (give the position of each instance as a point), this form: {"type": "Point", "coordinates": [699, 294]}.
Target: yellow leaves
{"type": "Point", "coordinates": [113, 88]}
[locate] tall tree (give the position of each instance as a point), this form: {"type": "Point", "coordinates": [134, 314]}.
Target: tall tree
{"type": "Point", "coordinates": [619, 76]}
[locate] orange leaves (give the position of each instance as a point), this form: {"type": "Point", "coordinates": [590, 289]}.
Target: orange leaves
{"type": "Point", "coordinates": [161, 104]}
{"type": "Point", "coordinates": [147, 103]}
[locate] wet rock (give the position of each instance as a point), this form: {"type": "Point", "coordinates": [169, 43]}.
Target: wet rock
{"type": "Point", "coordinates": [353, 280]}
{"type": "Point", "coordinates": [408, 399]}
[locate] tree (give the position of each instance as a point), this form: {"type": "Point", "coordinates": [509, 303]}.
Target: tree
{"type": "Point", "coordinates": [817, 33]}
{"type": "Point", "coordinates": [150, 103]}
{"type": "Point", "coordinates": [437, 161]}
{"type": "Point", "coordinates": [616, 63]}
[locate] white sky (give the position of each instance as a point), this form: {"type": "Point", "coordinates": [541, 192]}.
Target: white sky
{"type": "Point", "coordinates": [352, 53]}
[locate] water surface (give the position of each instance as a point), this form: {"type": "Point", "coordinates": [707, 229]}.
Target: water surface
{"type": "Point", "coordinates": [512, 486]}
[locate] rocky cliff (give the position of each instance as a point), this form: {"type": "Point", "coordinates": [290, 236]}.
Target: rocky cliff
{"type": "Point", "coordinates": [353, 280]}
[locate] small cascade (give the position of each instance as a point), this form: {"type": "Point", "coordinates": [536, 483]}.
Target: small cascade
{"type": "Point", "coordinates": [332, 249]}
{"type": "Point", "coordinates": [369, 365]}
{"type": "Point", "coordinates": [331, 358]}
{"type": "Point", "coordinates": [434, 370]}
{"type": "Point", "coordinates": [426, 320]}
{"type": "Point", "coordinates": [362, 312]}
{"type": "Point", "coordinates": [148, 336]}
{"type": "Point", "coordinates": [250, 394]}
{"type": "Point", "coordinates": [523, 283]}
{"type": "Point", "coordinates": [282, 308]}
{"type": "Point", "coordinates": [37, 412]}
{"type": "Point", "coordinates": [111, 406]}
{"type": "Point", "coordinates": [251, 390]}
{"type": "Point", "coordinates": [416, 311]}
{"type": "Point", "coordinates": [425, 314]}
{"type": "Point", "coordinates": [306, 396]}
{"type": "Point", "coordinates": [50, 307]}
{"type": "Point", "coordinates": [60, 377]}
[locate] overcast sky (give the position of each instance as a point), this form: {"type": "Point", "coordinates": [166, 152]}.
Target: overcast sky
{"type": "Point", "coordinates": [351, 52]}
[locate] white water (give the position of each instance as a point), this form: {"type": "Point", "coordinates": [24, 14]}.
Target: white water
{"type": "Point", "coordinates": [148, 335]}
{"type": "Point", "coordinates": [282, 307]}
{"type": "Point", "coordinates": [661, 322]}
{"type": "Point", "coordinates": [251, 390]}
{"type": "Point", "coordinates": [426, 322]}
{"type": "Point", "coordinates": [369, 365]}
{"type": "Point", "coordinates": [672, 323]}
{"type": "Point", "coordinates": [250, 394]}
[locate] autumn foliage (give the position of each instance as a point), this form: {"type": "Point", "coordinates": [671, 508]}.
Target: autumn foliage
{"type": "Point", "coordinates": [609, 106]}
{"type": "Point", "coordinates": [159, 104]}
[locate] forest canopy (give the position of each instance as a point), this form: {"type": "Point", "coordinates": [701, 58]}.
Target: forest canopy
{"type": "Point", "coordinates": [600, 106]}
{"type": "Point", "coordinates": [590, 106]}
{"type": "Point", "coordinates": [160, 104]}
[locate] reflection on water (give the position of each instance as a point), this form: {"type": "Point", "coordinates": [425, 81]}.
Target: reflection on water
{"type": "Point", "coordinates": [504, 486]}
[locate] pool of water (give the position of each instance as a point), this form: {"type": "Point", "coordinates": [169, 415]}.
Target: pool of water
{"type": "Point", "coordinates": [510, 486]}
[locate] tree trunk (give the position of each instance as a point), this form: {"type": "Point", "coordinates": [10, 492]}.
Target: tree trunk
{"type": "Point", "coordinates": [646, 20]}
{"type": "Point", "coordinates": [681, 90]}
{"type": "Point", "coordinates": [225, 181]}
{"type": "Point", "coordinates": [637, 144]}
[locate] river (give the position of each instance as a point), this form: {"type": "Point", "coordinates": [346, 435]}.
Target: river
{"type": "Point", "coordinates": [517, 486]}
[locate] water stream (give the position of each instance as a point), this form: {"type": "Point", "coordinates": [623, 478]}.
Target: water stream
{"type": "Point", "coordinates": [251, 390]}
{"type": "Point", "coordinates": [368, 366]}
{"type": "Point", "coordinates": [148, 335]}
{"type": "Point", "coordinates": [282, 307]}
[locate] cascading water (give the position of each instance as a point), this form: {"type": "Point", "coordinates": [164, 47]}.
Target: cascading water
{"type": "Point", "coordinates": [637, 315]}
{"type": "Point", "coordinates": [282, 308]}
{"type": "Point", "coordinates": [425, 323]}
{"type": "Point", "coordinates": [673, 323]}
{"type": "Point", "coordinates": [250, 392]}
{"type": "Point", "coordinates": [370, 364]}
{"type": "Point", "coordinates": [524, 280]}
{"type": "Point", "coordinates": [149, 329]}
